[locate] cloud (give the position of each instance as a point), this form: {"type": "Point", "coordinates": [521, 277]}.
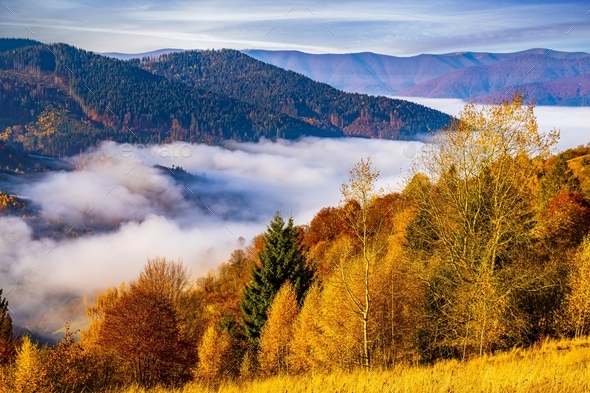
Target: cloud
{"type": "Point", "coordinates": [406, 28]}
{"type": "Point", "coordinates": [140, 211]}
{"type": "Point", "coordinates": [571, 121]}
{"type": "Point", "coordinates": [104, 190]}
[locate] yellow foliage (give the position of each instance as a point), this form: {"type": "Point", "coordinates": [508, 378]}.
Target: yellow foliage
{"type": "Point", "coordinates": [577, 313]}
{"type": "Point", "coordinates": [553, 367]}
{"type": "Point", "coordinates": [306, 347]}
{"type": "Point", "coordinates": [213, 354]}
{"type": "Point", "coordinates": [278, 332]}
{"type": "Point", "coordinates": [29, 373]}
{"type": "Point", "coordinates": [478, 213]}
{"type": "Point", "coordinates": [97, 311]}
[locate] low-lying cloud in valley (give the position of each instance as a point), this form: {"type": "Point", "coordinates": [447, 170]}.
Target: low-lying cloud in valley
{"type": "Point", "coordinates": [128, 206]}
{"type": "Point", "coordinates": [123, 204]}
{"type": "Point", "coordinates": [571, 121]}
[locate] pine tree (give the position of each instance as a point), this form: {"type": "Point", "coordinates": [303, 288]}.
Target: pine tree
{"type": "Point", "coordinates": [282, 258]}
{"type": "Point", "coordinates": [559, 177]}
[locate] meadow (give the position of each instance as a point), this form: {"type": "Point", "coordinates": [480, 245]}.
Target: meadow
{"type": "Point", "coordinates": [550, 366]}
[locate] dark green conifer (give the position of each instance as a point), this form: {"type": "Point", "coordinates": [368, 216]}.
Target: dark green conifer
{"type": "Point", "coordinates": [282, 259]}
{"type": "Point", "coordinates": [559, 177]}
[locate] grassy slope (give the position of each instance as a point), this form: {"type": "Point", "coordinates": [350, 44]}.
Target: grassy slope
{"type": "Point", "coordinates": [554, 366]}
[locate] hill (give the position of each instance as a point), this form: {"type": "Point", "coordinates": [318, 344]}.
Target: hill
{"type": "Point", "coordinates": [463, 75]}
{"type": "Point", "coordinates": [128, 56]}
{"type": "Point", "coordinates": [15, 43]}
{"type": "Point", "coordinates": [58, 100]}
{"type": "Point", "coordinates": [236, 75]}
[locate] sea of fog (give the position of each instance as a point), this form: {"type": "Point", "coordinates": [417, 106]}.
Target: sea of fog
{"type": "Point", "coordinates": [240, 188]}
{"type": "Point", "coordinates": [573, 122]}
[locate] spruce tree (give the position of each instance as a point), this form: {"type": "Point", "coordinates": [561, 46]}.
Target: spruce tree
{"type": "Point", "coordinates": [282, 259]}
{"type": "Point", "coordinates": [559, 177]}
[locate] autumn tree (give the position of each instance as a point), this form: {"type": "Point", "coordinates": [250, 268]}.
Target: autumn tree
{"type": "Point", "coordinates": [169, 278]}
{"type": "Point", "coordinates": [96, 314]}
{"type": "Point", "coordinates": [306, 348]}
{"type": "Point", "coordinates": [557, 178]}
{"type": "Point", "coordinates": [360, 259]}
{"type": "Point", "coordinates": [29, 373]}
{"type": "Point", "coordinates": [476, 215]}
{"type": "Point", "coordinates": [576, 316]}
{"type": "Point", "coordinates": [69, 367]}
{"type": "Point", "coordinates": [142, 328]}
{"type": "Point", "coordinates": [249, 366]}
{"type": "Point", "coordinates": [214, 355]}
{"type": "Point", "coordinates": [565, 221]}
{"type": "Point", "coordinates": [282, 258]}
{"type": "Point", "coordinates": [277, 332]}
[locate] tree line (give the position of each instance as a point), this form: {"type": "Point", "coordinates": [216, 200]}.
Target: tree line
{"type": "Point", "coordinates": [485, 249]}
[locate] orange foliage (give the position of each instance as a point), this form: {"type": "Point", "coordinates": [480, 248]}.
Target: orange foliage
{"type": "Point", "coordinates": [142, 328]}
{"type": "Point", "coordinates": [566, 220]}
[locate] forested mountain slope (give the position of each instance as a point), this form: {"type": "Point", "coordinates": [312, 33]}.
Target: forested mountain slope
{"type": "Point", "coordinates": [58, 100]}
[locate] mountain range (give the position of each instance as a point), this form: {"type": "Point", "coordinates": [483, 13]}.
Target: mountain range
{"type": "Point", "coordinates": [549, 77]}
{"type": "Point", "coordinates": [58, 100]}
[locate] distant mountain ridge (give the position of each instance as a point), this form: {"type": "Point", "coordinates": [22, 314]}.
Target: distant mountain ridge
{"type": "Point", "coordinates": [465, 75]}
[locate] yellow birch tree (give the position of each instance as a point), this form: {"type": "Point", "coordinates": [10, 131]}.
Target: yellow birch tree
{"type": "Point", "coordinates": [277, 332]}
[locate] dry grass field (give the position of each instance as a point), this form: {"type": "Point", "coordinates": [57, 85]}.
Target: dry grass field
{"type": "Point", "coordinates": [553, 366]}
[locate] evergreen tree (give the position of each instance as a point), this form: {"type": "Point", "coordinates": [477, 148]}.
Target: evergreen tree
{"type": "Point", "coordinates": [282, 258]}
{"type": "Point", "coordinates": [559, 177]}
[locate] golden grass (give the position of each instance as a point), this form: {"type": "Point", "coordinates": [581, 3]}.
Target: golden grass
{"type": "Point", "coordinates": [554, 366]}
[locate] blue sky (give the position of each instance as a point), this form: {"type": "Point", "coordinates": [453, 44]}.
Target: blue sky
{"type": "Point", "coordinates": [391, 27]}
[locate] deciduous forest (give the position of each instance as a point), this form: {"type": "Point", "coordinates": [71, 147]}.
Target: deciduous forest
{"type": "Point", "coordinates": [484, 252]}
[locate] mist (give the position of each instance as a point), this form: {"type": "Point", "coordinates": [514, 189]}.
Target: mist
{"type": "Point", "coordinates": [123, 204]}
{"type": "Point", "coordinates": [127, 204]}
{"type": "Point", "coordinates": [571, 121]}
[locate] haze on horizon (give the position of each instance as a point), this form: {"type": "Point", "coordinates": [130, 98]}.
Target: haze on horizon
{"type": "Point", "coordinates": [403, 29]}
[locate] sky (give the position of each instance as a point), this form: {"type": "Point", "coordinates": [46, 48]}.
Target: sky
{"type": "Point", "coordinates": [401, 28]}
